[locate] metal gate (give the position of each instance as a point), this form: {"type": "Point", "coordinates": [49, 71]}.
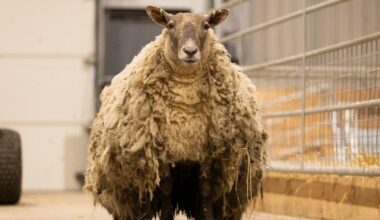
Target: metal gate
{"type": "Point", "coordinates": [317, 70]}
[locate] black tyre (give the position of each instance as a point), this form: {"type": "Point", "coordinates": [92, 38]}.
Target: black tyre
{"type": "Point", "coordinates": [10, 167]}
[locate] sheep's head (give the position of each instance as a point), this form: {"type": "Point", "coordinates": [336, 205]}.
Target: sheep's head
{"type": "Point", "coordinates": [187, 33]}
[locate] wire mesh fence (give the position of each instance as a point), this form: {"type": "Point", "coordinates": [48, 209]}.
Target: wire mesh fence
{"type": "Point", "coordinates": [321, 107]}
{"type": "Point", "coordinates": [341, 109]}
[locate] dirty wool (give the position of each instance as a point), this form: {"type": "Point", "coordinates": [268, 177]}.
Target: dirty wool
{"type": "Point", "coordinates": [150, 118]}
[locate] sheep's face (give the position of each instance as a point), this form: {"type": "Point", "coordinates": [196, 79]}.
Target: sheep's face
{"type": "Point", "coordinates": [187, 33]}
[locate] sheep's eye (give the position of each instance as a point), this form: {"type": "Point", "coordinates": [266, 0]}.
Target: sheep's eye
{"type": "Point", "coordinates": [206, 25]}
{"type": "Point", "coordinates": [170, 25]}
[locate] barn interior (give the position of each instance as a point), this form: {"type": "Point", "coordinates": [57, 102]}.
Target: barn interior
{"type": "Point", "coordinates": [315, 63]}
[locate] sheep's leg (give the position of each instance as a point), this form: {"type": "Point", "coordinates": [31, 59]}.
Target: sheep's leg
{"type": "Point", "coordinates": [207, 211]}
{"type": "Point", "coordinates": [166, 187]}
{"type": "Point", "coordinates": [235, 216]}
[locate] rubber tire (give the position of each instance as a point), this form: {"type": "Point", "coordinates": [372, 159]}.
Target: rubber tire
{"type": "Point", "coordinates": [10, 167]}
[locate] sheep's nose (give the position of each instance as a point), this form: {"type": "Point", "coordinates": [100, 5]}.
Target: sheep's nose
{"type": "Point", "coordinates": [190, 51]}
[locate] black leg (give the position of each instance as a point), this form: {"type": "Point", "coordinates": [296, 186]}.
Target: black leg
{"type": "Point", "coordinates": [166, 188]}
{"type": "Point", "coordinates": [207, 211]}
{"type": "Point", "coordinates": [236, 216]}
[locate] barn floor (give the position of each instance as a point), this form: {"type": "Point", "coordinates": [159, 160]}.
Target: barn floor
{"type": "Point", "coordinates": [74, 206]}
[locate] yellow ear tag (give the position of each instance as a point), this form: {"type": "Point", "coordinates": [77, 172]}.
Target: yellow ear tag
{"type": "Point", "coordinates": [213, 13]}
{"type": "Point", "coordinates": [162, 12]}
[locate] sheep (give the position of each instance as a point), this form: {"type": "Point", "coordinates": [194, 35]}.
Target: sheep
{"type": "Point", "coordinates": [178, 129]}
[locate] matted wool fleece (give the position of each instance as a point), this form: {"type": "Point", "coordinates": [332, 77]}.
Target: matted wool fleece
{"type": "Point", "coordinates": [150, 118]}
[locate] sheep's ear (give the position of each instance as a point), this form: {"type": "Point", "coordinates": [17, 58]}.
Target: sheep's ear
{"type": "Point", "coordinates": [217, 16]}
{"type": "Point", "coordinates": [158, 15]}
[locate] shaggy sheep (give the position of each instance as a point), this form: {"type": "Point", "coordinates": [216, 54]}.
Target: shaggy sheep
{"type": "Point", "coordinates": [178, 129]}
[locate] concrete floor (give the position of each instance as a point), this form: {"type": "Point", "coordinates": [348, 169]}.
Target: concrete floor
{"type": "Point", "coordinates": [75, 206]}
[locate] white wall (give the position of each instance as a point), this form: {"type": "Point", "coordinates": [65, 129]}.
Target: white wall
{"type": "Point", "coordinates": [46, 89]}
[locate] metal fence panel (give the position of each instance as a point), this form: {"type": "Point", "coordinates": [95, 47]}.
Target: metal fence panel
{"type": "Point", "coordinates": [321, 107]}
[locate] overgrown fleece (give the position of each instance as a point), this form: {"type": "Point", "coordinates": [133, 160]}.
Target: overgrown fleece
{"type": "Point", "coordinates": [151, 118]}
